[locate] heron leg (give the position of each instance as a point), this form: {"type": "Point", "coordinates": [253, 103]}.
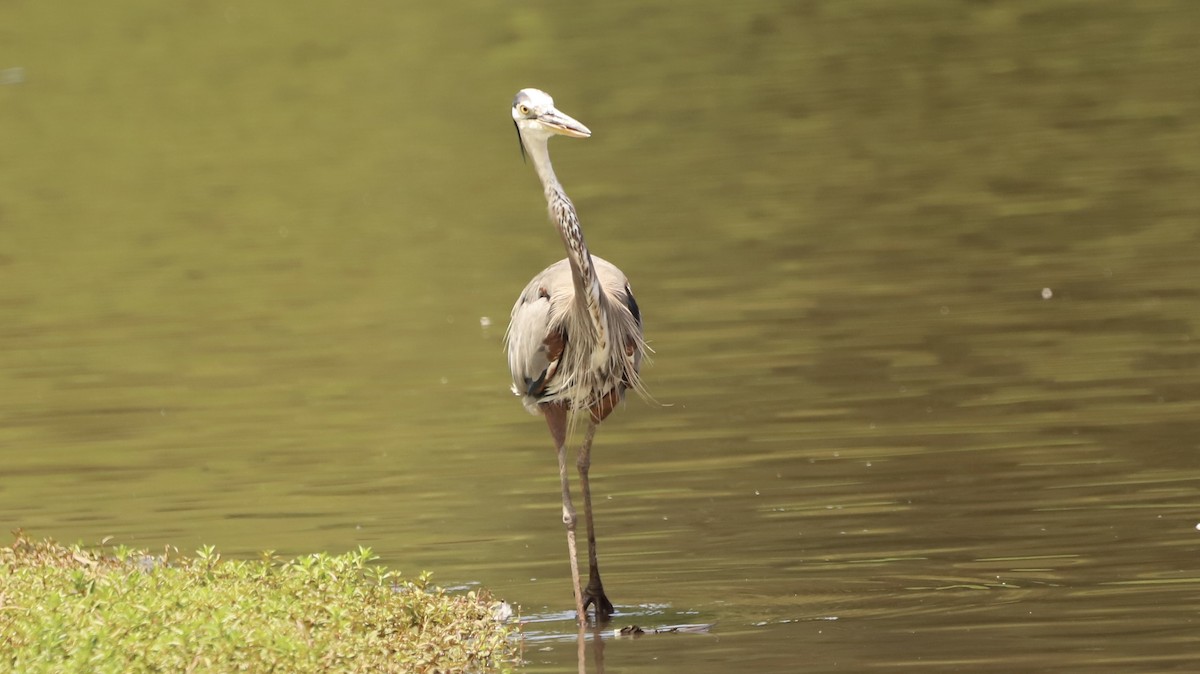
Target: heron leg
{"type": "Point", "coordinates": [556, 419]}
{"type": "Point", "coordinates": [594, 593]}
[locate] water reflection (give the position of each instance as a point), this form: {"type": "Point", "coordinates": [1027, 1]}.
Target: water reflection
{"type": "Point", "coordinates": [590, 639]}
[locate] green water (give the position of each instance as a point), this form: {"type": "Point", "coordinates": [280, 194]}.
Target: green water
{"type": "Point", "coordinates": [920, 277]}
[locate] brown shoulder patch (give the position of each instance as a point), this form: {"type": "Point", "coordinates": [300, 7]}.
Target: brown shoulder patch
{"type": "Point", "coordinates": [553, 344]}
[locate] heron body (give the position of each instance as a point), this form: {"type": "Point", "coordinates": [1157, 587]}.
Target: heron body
{"type": "Point", "coordinates": [560, 362]}
{"type": "Point", "coordinates": [575, 340]}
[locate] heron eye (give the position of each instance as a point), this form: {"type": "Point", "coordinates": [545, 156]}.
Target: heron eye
{"type": "Point", "coordinates": [523, 109]}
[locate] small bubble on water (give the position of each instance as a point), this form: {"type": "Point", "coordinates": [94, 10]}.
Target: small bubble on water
{"type": "Point", "coordinates": [945, 310]}
{"type": "Point", "coordinates": [485, 322]}
{"type": "Point", "coordinates": [1198, 527]}
{"type": "Point", "coordinates": [1047, 293]}
{"type": "Point", "coordinates": [12, 75]}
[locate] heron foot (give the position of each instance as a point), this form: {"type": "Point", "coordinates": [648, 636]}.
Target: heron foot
{"type": "Point", "coordinates": [593, 595]}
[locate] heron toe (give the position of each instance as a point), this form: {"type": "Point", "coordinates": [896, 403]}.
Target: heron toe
{"type": "Point", "coordinates": [594, 596]}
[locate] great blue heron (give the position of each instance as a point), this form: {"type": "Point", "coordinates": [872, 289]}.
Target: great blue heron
{"type": "Point", "coordinates": [575, 339]}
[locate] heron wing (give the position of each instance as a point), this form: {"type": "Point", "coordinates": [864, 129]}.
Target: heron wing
{"type": "Point", "coordinates": [536, 339]}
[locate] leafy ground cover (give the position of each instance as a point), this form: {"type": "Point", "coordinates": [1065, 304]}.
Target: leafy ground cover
{"type": "Point", "coordinates": [70, 608]}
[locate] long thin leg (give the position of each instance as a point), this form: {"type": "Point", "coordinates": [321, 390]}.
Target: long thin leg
{"type": "Point", "coordinates": [556, 419]}
{"type": "Point", "coordinates": [594, 594]}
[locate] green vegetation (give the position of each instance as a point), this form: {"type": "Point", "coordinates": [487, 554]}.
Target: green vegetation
{"type": "Point", "coordinates": [120, 610]}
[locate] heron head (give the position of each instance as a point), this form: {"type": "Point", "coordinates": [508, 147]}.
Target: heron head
{"type": "Point", "coordinates": [536, 118]}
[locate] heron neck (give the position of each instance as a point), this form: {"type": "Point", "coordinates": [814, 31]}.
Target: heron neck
{"type": "Point", "coordinates": [539, 153]}
{"type": "Point", "coordinates": [562, 213]}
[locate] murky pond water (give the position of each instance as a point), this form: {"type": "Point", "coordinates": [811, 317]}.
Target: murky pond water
{"type": "Point", "coordinates": [920, 278]}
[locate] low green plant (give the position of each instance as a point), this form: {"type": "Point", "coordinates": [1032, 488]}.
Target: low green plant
{"type": "Point", "coordinates": [73, 609]}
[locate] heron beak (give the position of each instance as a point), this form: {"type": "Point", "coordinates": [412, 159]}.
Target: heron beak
{"type": "Point", "coordinates": [564, 124]}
